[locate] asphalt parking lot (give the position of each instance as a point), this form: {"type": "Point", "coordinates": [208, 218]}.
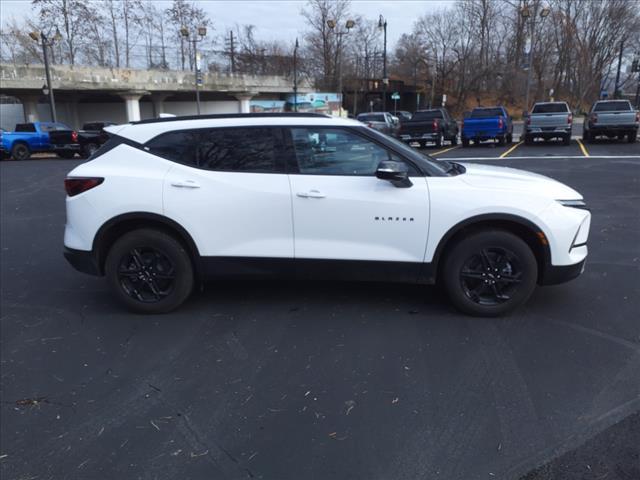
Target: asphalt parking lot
{"type": "Point", "coordinates": [323, 380]}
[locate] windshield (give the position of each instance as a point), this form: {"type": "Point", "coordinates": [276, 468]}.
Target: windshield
{"type": "Point", "coordinates": [550, 108]}
{"type": "Point", "coordinates": [428, 115]}
{"type": "Point", "coordinates": [377, 117]}
{"type": "Point", "coordinates": [612, 107]}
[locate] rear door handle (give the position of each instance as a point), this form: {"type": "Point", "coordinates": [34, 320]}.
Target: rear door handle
{"type": "Point", "coordinates": [311, 194]}
{"type": "Point", "coordinates": [185, 184]}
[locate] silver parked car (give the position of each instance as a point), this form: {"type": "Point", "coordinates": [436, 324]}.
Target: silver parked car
{"type": "Point", "coordinates": [549, 120]}
{"type": "Point", "coordinates": [382, 121]}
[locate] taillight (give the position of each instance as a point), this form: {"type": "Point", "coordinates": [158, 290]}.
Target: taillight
{"type": "Point", "coordinates": [594, 118]}
{"type": "Point", "coordinates": [370, 125]}
{"type": "Point", "coordinates": [462, 124]}
{"type": "Point", "coordinates": [77, 185]}
{"type": "Point", "coordinates": [435, 124]}
{"type": "Point", "coordinates": [570, 118]}
{"type": "Point", "coordinates": [528, 120]}
{"type": "Point", "coordinates": [638, 117]}
{"type": "Point", "coordinates": [500, 122]}
{"type": "Point", "coordinates": [74, 137]}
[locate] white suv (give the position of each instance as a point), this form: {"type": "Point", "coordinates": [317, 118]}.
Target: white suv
{"type": "Point", "coordinates": [168, 203]}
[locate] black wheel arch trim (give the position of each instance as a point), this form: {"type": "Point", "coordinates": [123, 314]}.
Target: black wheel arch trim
{"type": "Point", "coordinates": [102, 240]}
{"type": "Point", "coordinates": [542, 252]}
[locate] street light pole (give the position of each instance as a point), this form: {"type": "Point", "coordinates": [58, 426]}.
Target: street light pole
{"type": "Point", "coordinates": [193, 38]}
{"type": "Point", "coordinates": [382, 23]}
{"type": "Point", "coordinates": [295, 76]}
{"type": "Point", "coordinates": [616, 93]}
{"type": "Point", "coordinates": [46, 43]}
{"type": "Point", "coordinates": [332, 26]}
{"type": "Point", "coordinates": [526, 14]}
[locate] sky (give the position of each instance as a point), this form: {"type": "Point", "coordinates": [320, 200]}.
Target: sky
{"type": "Point", "coordinates": [281, 19]}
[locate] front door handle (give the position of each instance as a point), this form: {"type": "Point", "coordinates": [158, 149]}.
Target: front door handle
{"type": "Point", "coordinates": [185, 184]}
{"type": "Point", "coordinates": [311, 194]}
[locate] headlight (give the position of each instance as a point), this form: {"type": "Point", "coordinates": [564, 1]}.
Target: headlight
{"type": "Point", "coordinates": [573, 204]}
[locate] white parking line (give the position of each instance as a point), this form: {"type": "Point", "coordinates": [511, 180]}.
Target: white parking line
{"type": "Point", "coordinates": [543, 157]}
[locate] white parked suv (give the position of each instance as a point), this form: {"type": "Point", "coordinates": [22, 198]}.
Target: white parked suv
{"type": "Point", "coordinates": [168, 203]}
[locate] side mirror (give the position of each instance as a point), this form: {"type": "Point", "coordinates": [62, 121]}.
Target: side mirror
{"type": "Point", "coordinates": [395, 172]}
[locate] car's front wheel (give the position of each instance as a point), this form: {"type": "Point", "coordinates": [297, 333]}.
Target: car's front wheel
{"type": "Point", "coordinates": [489, 273]}
{"type": "Point", "coordinates": [149, 271]}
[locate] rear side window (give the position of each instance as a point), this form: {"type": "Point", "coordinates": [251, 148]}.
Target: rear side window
{"type": "Point", "coordinates": [255, 150]}
{"type": "Point", "coordinates": [612, 107]}
{"type": "Point", "coordinates": [427, 115]}
{"type": "Point", "coordinates": [551, 108]}
{"type": "Point", "coordinates": [486, 113]}
{"type": "Point", "coordinates": [372, 118]}
{"type": "Point", "coordinates": [25, 127]}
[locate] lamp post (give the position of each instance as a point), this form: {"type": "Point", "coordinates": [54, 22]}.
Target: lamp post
{"type": "Point", "coordinates": [295, 76]}
{"type": "Point", "coordinates": [47, 89]}
{"type": "Point", "coordinates": [531, 17]}
{"type": "Point", "coordinates": [332, 26]}
{"type": "Point", "coordinates": [382, 24]}
{"type": "Point", "coordinates": [194, 38]}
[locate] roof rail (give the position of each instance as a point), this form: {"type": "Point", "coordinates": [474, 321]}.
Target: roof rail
{"type": "Point", "coordinates": [228, 115]}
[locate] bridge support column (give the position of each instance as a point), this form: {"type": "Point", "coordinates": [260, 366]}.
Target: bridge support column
{"type": "Point", "coordinates": [30, 107]}
{"type": "Point", "coordinates": [132, 103]}
{"type": "Point", "coordinates": [244, 99]}
{"type": "Point", "coordinates": [158, 103]}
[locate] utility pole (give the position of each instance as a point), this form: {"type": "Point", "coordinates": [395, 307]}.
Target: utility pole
{"type": "Point", "coordinates": [295, 76]}
{"type": "Point", "coordinates": [333, 27]}
{"type": "Point", "coordinates": [382, 23]}
{"type": "Point", "coordinates": [616, 92]}
{"type": "Point", "coordinates": [46, 43]}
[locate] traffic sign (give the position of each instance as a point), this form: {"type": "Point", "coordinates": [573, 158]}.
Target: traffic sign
{"type": "Point", "coordinates": [395, 96]}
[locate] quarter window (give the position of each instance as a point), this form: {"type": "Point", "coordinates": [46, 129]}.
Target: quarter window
{"type": "Point", "coordinates": [327, 151]}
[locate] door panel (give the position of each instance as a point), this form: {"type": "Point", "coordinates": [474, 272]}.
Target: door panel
{"type": "Point", "coordinates": [232, 214]}
{"type": "Point", "coordinates": [341, 211]}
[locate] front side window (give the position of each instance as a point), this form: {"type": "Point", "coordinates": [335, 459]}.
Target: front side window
{"type": "Point", "coordinates": [329, 151]}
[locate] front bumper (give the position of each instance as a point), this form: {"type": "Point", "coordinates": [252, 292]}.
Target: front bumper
{"type": "Point", "coordinates": [554, 274]}
{"type": "Point", "coordinates": [82, 260]}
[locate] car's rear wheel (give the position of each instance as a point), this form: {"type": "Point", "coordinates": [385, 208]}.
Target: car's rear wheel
{"type": "Point", "coordinates": [500, 141]}
{"type": "Point", "coordinates": [566, 140]}
{"type": "Point", "coordinates": [528, 139]}
{"type": "Point", "coordinates": [489, 273]}
{"type": "Point", "coordinates": [454, 139]}
{"type": "Point", "coordinates": [20, 151]}
{"type": "Point", "coordinates": [465, 142]}
{"type": "Point", "coordinates": [439, 140]}
{"type": "Point", "coordinates": [149, 271]}
{"type": "Point", "coordinates": [632, 137]}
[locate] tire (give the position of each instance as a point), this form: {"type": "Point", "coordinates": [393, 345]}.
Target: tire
{"type": "Point", "coordinates": [632, 137]}
{"type": "Point", "coordinates": [476, 255]}
{"type": "Point", "coordinates": [465, 142]}
{"type": "Point", "coordinates": [89, 149]}
{"type": "Point", "coordinates": [566, 140]}
{"type": "Point", "coordinates": [439, 140]}
{"type": "Point", "coordinates": [454, 139]}
{"type": "Point", "coordinates": [509, 138]}
{"type": "Point", "coordinates": [528, 139]}
{"type": "Point", "coordinates": [149, 253]}
{"type": "Point", "coordinates": [20, 151]}
{"type": "Point", "coordinates": [585, 136]}
{"type": "Point", "coordinates": [66, 154]}
{"type": "Point", "coordinates": [501, 141]}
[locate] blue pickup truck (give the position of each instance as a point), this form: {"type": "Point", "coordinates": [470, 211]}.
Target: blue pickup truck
{"type": "Point", "coordinates": [487, 123]}
{"type": "Point", "coordinates": [39, 137]}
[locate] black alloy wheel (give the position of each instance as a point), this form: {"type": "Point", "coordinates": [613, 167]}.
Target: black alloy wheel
{"type": "Point", "coordinates": [488, 273]}
{"type": "Point", "coordinates": [491, 276]}
{"type": "Point", "coordinates": [146, 274]}
{"type": "Point", "coordinates": [149, 271]}
{"type": "Point", "coordinates": [20, 151]}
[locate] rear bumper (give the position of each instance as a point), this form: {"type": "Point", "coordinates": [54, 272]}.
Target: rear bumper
{"type": "Point", "coordinates": [553, 274]}
{"type": "Point", "coordinates": [483, 135]}
{"type": "Point", "coordinates": [68, 147]}
{"type": "Point", "coordinates": [417, 137]}
{"type": "Point", "coordinates": [82, 260]}
{"type": "Point", "coordinates": [605, 129]}
{"type": "Point", "coordinates": [548, 132]}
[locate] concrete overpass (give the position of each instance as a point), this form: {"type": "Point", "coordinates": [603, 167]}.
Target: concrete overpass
{"type": "Point", "coordinates": [92, 93]}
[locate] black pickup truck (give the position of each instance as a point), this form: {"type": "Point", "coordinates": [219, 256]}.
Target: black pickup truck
{"type": "Point", "coordinates": [92, 136]}
{"type": "Point", "coordinates": [435, 125]}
